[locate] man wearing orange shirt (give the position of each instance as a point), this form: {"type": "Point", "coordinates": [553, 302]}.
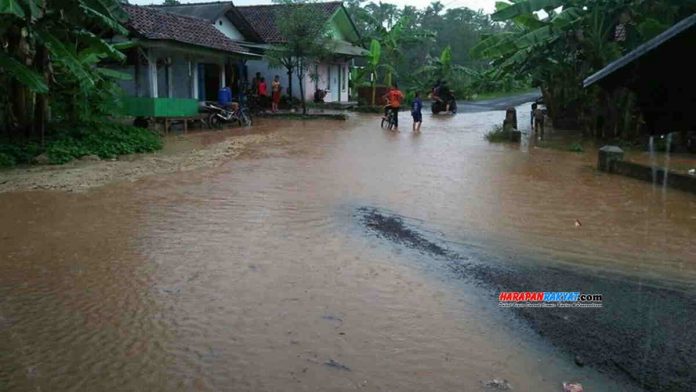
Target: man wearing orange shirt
{"type": "Point", "coordinates": [394, 97]}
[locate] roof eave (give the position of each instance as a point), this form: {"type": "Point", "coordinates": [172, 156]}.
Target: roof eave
{"type": "Point", "coordinates": [641, 50]}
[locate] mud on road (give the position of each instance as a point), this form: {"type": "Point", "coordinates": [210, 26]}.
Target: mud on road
{"type": "Point", "coordinates": [644, 333]}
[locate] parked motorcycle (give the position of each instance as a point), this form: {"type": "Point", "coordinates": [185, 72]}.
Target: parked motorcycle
{"type": "Point", "coordinates": [219, 116]}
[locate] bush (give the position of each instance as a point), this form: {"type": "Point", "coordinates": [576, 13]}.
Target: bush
{"type": "Point", "coordinates": [576, 147]}
{"type": "Point", "coordinates": [497, 134]}
{"type": "Point", "coordinates": [7, 160]}
{"type": "Point", "coordinates": [106, 140]}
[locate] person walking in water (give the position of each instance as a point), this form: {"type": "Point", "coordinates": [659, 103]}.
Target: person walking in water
{"type": "Point", "coordinates": [539, 122]}
{"type": "Point", "coordinates": [416, 113]}
{"type": "Point", "coordinates": [394, 98]}
{"type": "Point", "coordinates": [275, 91]}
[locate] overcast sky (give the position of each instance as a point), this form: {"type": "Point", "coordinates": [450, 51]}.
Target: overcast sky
{"type": "Point", "coordinates": [486, 5]}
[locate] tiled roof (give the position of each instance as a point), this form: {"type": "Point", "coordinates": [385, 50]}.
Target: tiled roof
{"type": "Point", "coordinates": [156, 24]}
{"type": "Point", "coordinates": [263, 17]}
{"type": "Point", "coordinates": [210, 11]}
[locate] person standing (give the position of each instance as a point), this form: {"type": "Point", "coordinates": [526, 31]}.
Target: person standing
{"type": "Point", "coordinates": [394, 97]}
{"type": "Point", "coordinates": [275, 90]}
{"type": "Point", "coordinates": [263, 93]}
{"type": "Point", "coordinates": [539, 122]}
{"type": "Point", "coordinates": [416, 113]}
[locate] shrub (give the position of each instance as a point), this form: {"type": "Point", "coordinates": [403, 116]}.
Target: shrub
{"type": "Point", "coordinates": [576, 147]}
{"type": "Point", "coordinates": [106, 140]}
{"type": "Point", "coordinates": [7, 160]}
{"type": "Point", "coordinates": [497, 134]}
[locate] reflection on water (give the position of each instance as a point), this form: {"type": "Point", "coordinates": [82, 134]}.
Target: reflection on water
{"type": "Point", "coordinates": [254, 276]}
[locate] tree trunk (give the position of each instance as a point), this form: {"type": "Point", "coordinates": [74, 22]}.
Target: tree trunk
{"type": "Point", "coordinates": [374, 90]}
{"type": "Point", "coordinates": [289, 82]}
{"type": "Point", "coordinates": [300, 75]}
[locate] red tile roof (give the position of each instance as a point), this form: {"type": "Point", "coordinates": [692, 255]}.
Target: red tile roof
{"type": "Point", "coordinates": [156, 24]}
{"type": "Point", "coordinates": [263, 17]}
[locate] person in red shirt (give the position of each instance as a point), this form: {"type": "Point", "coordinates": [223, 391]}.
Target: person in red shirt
{"type": "Point", "coordinates": [263, 90]}
{"type": "Point", "coordinates": [394, 97]}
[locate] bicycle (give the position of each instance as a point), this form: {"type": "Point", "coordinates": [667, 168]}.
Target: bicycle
{"type": "Point", "coordinates": [389, 121]}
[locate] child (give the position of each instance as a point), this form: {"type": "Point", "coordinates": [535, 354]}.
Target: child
{"type": "Point", "coordinates": [275, 90]}
{"type": "Point", "coordinates": [416, 112]}
{"type": "Point", "coordinates": [539, 122]}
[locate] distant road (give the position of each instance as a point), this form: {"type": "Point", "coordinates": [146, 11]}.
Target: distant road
{"type": "Point", "coordinates": [497, 103]}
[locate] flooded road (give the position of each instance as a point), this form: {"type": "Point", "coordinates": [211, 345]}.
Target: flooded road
{"type": "Point", "coordinates": [256, 275]}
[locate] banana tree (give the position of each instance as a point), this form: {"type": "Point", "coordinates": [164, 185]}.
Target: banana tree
{"type": "Point", "coordinates": [373, 64]}
{"type": "Point", "coordinates": [441, 67]}
{"type": "Point", "coordinates": [41, 44]}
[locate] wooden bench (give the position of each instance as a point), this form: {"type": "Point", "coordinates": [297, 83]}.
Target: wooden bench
{"type": "Point", "coordinates": [169, 121]}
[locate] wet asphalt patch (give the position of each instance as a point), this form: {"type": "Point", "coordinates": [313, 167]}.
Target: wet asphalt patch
{"type": "Point", "coordinates": [643, 332]}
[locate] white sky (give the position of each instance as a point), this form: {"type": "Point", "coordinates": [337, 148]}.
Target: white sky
{"type": "Point", "coordinates": [487, 5]}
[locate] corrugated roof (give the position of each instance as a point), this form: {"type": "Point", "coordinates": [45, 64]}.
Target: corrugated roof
{"type": "Point", "coordinates": [679, 28]}
{"type": "Point", "coordinates": [156, 24]}
{"type": "Point", "coordinates": [263, 17]}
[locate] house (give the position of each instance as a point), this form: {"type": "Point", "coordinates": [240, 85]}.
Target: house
{"type": "Point", "coordinates": [176, 62]}
{"type": "Point", "coordinates": [661, 74]}
{"type": "Point", "coordinates": [255, 28]}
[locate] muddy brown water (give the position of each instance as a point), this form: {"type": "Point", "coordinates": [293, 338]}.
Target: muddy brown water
{"type": "Point", "coordinates": [255, 276]}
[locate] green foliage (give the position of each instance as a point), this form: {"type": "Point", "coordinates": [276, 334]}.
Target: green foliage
{"type": "Point", "coordinates": [497, 134]}
{"type": "Point", "coordinates": [106, 140]}
{"type": "Point", "coordinates": [412, 42]}
{"type": "Point", "coordinates": [565, 47]}
{"type": "Point", "coordinates": [49, 51]}
{"type": "Point", "coordinates": [576, 147]}
{"type": "Point", "coordinates": [307, 39]}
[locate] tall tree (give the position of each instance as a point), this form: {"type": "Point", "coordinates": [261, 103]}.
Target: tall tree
{"type": "Point", "coordinates": [48, 55]}
{"type": "Point", "coordinates": [306, 38]}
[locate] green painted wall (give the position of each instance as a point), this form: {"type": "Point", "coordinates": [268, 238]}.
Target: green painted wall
{"type": "Point", "coordinates": [159, 107]}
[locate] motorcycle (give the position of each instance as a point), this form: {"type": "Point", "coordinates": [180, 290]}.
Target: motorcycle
{"type": "Point", "coordinates": [219, 116]}
{"type": "Point", "coordinates": [440, 105]}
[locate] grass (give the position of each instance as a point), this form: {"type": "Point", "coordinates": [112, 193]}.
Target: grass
{"type": "Point", "coordinates": [497, 135]}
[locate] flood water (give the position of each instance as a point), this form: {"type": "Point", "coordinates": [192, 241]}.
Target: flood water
{"type": "Point", "coordinates": [256, 276]}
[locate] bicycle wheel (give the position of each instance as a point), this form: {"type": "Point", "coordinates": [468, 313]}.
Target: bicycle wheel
{"type": "Point", "coordinates": [384, 121]}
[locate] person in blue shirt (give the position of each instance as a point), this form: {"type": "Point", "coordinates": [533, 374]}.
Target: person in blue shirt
{"type": "Point", "coordinates": [416, 107]}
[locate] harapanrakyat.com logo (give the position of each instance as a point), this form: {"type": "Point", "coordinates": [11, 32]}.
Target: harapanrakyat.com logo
{"type": "Point", "coordinates": [548, 299]}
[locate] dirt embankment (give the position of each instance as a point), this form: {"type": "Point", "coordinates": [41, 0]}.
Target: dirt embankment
{"type": "Point", "coordinates": [643, 333]}
{"type": "Point", "coordinates": [180, 154]}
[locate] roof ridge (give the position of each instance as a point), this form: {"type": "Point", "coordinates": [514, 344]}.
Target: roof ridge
{"type": "Point", "coordinates": [147, 7]}
{"type": "Point", "coordinates": [186, 4]}
{"type": "Point", "coordinates": [282, 4]}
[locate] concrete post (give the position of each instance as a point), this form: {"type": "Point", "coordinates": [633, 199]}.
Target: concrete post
{"type": "Point", "coordinates": [152, 73]}
{"type": "Point", "coordinates": [607, 156]}
{"type": "Point", "coordinates": [510, 117]}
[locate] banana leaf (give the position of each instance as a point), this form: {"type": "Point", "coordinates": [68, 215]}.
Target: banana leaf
{"type": "Point", "coordinates": [25, 75]}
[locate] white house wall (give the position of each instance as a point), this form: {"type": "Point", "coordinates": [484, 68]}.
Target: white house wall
{"type": "Point", "coordinates": [310, 84]}
{"type": "Point", "coordinates": [226, 27]}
